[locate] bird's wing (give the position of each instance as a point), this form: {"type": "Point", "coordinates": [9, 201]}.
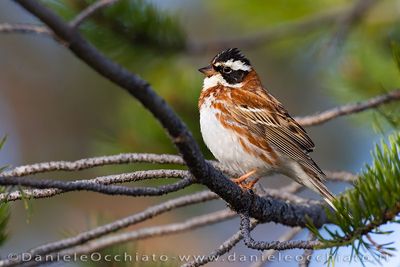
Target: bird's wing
{"type": "Point", "coordinates": [264, 117]}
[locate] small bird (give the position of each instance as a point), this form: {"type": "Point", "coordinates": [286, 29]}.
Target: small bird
{"type": "Point", "coordinates": [249, 131]}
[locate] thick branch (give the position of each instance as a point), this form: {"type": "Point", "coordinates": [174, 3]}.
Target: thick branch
{"type": "Point", "coordinates": [349, 109]}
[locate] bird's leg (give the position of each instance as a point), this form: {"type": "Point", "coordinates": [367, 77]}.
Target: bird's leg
{"type": "Point", "coordinates": [249, 185]}
{"type": "Point", "coordinates": [240, 181]}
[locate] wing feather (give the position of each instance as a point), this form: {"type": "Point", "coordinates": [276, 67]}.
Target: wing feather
{"type": "Point", "coordinates": [265, 117]}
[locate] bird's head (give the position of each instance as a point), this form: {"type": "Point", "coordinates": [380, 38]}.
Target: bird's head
{"type": "Point", "coordinates": [229, 68]}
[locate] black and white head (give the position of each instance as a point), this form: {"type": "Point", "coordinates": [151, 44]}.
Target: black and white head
{"type": "Point", "coordinates": [229, 68]}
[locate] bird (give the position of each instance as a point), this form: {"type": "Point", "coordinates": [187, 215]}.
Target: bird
{"type": "Point", "coordinates": [249, 131]}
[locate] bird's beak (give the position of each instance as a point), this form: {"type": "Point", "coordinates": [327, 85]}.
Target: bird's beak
{"type": "Point", "coordinates": [208, 70]}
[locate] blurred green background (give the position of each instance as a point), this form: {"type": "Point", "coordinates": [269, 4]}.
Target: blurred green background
{"type": "Point", "coordinates": [53, 107]}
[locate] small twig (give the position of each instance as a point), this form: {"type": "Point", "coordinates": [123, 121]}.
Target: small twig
{"type": "Point", "coordinates": [221, 250]}
{"type": "Point", "coordinates": [143, 233]}
{"type": "Point", "coordinates": [90, 10]}
{"type": "Point", "coordinates": [276, 245]}
{"type": "Point", "coordinates": [290, 197]}
{"type": "Point", "coordinates": [88, 163]}
{"type": "Point", "coordinates": [84, 185]}
{"type": "Point", "coordinates": [234, 239]}
{"type": "Point", "coordinates": [341, 176]}
{"type": "Point", "coordinates": [114, 226]}
{"type": "Point", "coordinates": [104, 180]}
{"type": "Point", "coordinates": [268, 254]}
{"type": "Point", "coordinates": [292, 188]}
{"type": "Point", "coordinates": [25, 28]}
{"type": "Point", "coordinates": [349, 109]}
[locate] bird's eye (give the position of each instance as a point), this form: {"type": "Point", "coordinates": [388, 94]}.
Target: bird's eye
{"type": "Point", "coordinates": [227, 70]}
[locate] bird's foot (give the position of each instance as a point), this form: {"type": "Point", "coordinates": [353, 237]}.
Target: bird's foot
{"type": "Point", "coordinates": [242, 181]}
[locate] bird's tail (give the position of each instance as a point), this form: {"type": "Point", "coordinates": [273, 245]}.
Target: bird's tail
{"type": "Point", "coordinates": [321, 188]}
{"type": "Point", "coordinates": [312, 177]}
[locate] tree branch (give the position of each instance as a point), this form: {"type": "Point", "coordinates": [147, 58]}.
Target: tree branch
{"type": "Point", "coordinates": [286, 193]}
{"type": "Point", "coordinates": [88, 163]}
{"type": "Point", "coordinates": [104, 180]}
{"type": "Point", "coordinates": [341, 176]}
{"type": "Point", "coordinates": [276, 245]}
{"type": "Point", "coordinates": [268, 254]}
{"type": "Point", "coordinates": [25, 28]}
{"type": "Point", "coordinates": [90, 10]}
{"type": "Point", "coordinates": [128, 177]}
{"type": "Point", "coordinates": [306, 257]}
{"type": "Point", "coordinates": [85, 185]}
{"type": "Point", "coordinates": [349, 109]}
{"type": "Point", "coordinates": [222, 249]}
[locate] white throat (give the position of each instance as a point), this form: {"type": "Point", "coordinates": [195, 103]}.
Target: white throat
{"type": "Point", "coordinates": [217, 79]}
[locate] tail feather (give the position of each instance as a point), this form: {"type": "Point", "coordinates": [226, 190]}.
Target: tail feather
{"type": "Point", "coordinates": [313, 179]}
{"type": "Point", "coordinates": [323, 190]}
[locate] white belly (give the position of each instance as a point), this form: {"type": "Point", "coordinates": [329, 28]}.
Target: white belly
{"type": "Point", "coordinates": [225, 145]}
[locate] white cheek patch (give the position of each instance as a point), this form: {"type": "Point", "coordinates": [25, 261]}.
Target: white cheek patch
{"type": "Point", "coordinates": [216, 80]}
{"type": "Point", "coordinates": [235, 65]}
